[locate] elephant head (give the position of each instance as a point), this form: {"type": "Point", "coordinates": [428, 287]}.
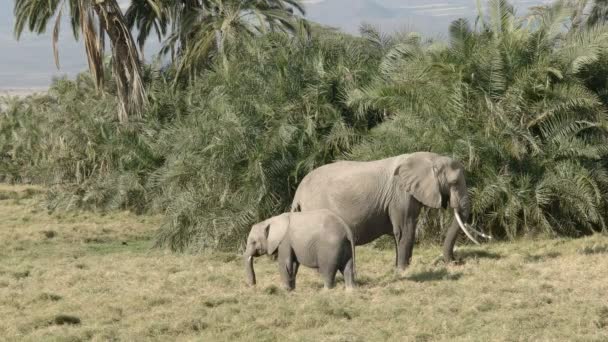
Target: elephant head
{"type": "Point", "coordinates": [264, 238]}
{"type": "Point", "coordinates": [438, 181]}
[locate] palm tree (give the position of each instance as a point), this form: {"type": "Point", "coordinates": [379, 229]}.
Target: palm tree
{"type": "Point", "coordinates": [93, 19]}
{"type": "Point", "coordinates": [202, 28]}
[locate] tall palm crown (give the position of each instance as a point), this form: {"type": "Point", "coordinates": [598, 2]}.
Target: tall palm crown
{"type": "Point", "coordinates": [94, 20]}
{"type": "Point", "coordinates": [198, 29]}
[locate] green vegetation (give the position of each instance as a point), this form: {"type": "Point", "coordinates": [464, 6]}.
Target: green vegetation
{"type": "Point", "coordinates": [247, 108]}
{"type": "Point", "coordinates": [99, 279]}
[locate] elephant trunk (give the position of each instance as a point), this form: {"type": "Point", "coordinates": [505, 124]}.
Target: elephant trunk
{"type": "Point", "coordinates": [450, 241]}
{"type": "Point", "coordinates": [249, 269]}
{"type": "Point", "coordinates": [459, 201]}
{"type": "Point", "coordinates": [461, 218]}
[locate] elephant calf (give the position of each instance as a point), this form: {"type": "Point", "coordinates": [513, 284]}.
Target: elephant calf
{"type": "Point", "coordinates": [317, 239]}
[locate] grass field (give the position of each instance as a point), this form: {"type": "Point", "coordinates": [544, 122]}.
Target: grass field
{"type": "Point", "coordinates": [85, 276]}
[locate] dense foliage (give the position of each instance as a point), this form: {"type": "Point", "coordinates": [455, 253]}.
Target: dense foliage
{"type": "Point", "coordinates": [521, 101]}
{"type": "Point", "coordinates": [518, 102]}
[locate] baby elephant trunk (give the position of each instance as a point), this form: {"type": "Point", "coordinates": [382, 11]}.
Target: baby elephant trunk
{"type": "Point", "coordinates": [249, 269]}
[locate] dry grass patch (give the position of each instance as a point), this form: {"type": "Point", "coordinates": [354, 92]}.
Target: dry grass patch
{"type": "Point", "coordinates": [28, 228]}
{"type": "Point", "coordinates": [71, 287]}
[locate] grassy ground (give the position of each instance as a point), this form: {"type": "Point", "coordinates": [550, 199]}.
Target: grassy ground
{"type": "Point", "coordinates": [85, 276]}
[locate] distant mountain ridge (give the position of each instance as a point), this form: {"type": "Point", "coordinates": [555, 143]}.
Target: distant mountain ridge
{"type": "Point", "coordinates": [428, 17]}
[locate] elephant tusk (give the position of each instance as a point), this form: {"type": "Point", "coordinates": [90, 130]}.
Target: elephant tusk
{"type": "Point", "coordinates": [463, 228]}
{"type": "Point", "coordinates": [250, 272]}
{"type": "Point", "coordinates": [489, 237]}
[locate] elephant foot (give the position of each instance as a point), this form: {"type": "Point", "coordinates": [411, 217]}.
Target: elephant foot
{"type": "Point", "coordinates": [328, 287]}
{"type": "Point", "coordinates": [401, 272]}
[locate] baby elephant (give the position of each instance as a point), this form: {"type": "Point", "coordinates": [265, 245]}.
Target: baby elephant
{"type": "Point", "coordinates": [317, 239]}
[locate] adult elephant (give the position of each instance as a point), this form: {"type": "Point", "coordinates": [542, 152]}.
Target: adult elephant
{"type": "Point", "coordinates": [385, 197]}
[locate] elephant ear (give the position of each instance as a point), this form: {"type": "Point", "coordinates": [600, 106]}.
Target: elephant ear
{"type": "Point", "coordinates": [417, 175]}
{"type": "Point", "coordinates": [275, 232]}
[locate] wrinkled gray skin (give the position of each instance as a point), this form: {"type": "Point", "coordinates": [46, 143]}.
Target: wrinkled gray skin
{"type": "Point", "coordinates": [318, 239]}
{"type": "Point", "coordinates": [385, 197]}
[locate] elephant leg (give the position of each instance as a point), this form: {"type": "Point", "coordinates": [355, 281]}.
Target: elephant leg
{"type": "Point", "coordinates": [284, 270]}
{"type": "Point", "coordinates": [406, 245]}
{"type": "Point", "coordinates": [295, 266]}
{"type": "Point", "coordinates": [397, 237]}
{"type": "Point", "coordinates": [404, 229]}
{"type": "Point", "coordinates": [287, 268]}
{"type": "Point", "coordinates": [450, 241]}
{"type": "Point", "coordinates": [349, 274]}
{"type": "Point", "coordinates": [328, 273]}
{"type": "Point", "coordinates": [329, 280]}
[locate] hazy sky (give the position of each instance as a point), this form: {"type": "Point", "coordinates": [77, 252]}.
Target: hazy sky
{"type": "Point", "coordinates": [29, 62]}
